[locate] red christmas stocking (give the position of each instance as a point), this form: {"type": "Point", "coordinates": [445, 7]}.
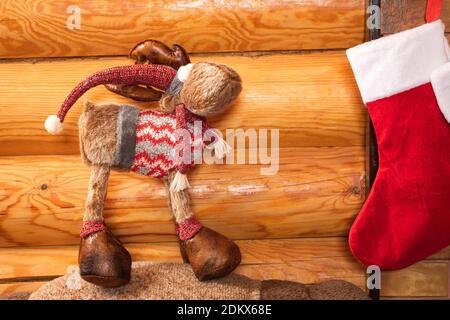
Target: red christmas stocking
{"type": "Point", "coordinates": [404, 79]}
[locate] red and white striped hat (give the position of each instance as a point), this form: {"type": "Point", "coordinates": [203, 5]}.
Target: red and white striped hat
{"type": "Point", "coordinates": [158, 76]}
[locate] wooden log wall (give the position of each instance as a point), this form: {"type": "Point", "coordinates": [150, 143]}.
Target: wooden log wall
{"type": "Point", "coordinates": [38, 28]}
{"type": "Point", "coordinates": [296, 79]}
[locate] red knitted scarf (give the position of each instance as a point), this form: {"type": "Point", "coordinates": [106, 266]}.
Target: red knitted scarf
{"type": "Point", "coordinates": [92, 226]}
{"type": "Point", "coordinates": [188, 228]}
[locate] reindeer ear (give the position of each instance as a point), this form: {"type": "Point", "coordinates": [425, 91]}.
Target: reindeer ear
{"type": "Point", "coordinates": [181, 54]}
{"type": "Point", "coordinates": [156, 52]}
{"type": "Point", "coordinates": [152, 52]}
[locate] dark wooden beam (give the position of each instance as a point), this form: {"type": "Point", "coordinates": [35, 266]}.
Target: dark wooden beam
{"type": "Point", "coordinates": [399, 15]}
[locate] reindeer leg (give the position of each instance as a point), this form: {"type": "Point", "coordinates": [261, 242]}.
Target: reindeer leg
{"type": "Point", "coordinates": [102, 258]}
{"type": "Point", "coordinates": [210, 254]}
{"type": "Point", "coordinates": [180, 209]}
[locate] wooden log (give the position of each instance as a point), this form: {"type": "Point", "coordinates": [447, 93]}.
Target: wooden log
{"type": "Point", "coordinates": [305, 260]}
{"type": "Point", "coordinates": [444, 254]}
{"type": "Point", "coordinates": [308, 272]}
{"type": "Point", "coordinates": [399, 15]}
{"type": "Point", "coordinates": [30, 261]}
{"type": "Point", "coordinates": [42, 198]}
{"type": "Point", "coordinates": [19, 287]}
{"type": "Point", "coordinates": [38, 28]}
{"type": "Point", "coordinates": [312, 99]}
{"type": "Point", "coordinates": [424, 279]}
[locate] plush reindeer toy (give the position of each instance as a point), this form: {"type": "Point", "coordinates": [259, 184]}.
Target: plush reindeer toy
{"type": "Point", "coordinates": [152, 143]}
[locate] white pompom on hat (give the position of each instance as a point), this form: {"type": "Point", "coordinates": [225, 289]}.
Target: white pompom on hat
{"type": "Point", "coordinates": [184, 71]}
{"type": "Point", "coordinates": [53, 125]}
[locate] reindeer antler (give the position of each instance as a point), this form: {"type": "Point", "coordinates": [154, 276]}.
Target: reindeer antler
{"type": "Point", "coordinates": [152, 52]}
{"type": "Point", "coordinates": [156, 52]}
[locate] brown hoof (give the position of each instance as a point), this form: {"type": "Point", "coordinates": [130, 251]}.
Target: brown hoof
{"type": "Point", "coordinates": [183, 253]}
{"type": "Point", "coordinates": [210, 254]}
{"type": "Point", "coordinates": [104, 261]}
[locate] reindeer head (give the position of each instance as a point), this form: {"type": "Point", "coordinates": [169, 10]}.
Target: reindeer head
{"type": "Point", "coordinates": [204, 88]}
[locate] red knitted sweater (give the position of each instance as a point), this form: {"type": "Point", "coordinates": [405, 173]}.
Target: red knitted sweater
{"type": "Point", "coordinates": [160, 144]}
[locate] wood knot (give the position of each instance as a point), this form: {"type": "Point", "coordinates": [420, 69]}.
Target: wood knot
{"type": "Point", "coordinates": [44, 186]}
{"type": "Point", "coordinates": [356, 190]}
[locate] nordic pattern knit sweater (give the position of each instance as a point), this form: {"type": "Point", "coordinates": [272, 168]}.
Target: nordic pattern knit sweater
{"type": "Point", "coordinates": [158, 150]}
